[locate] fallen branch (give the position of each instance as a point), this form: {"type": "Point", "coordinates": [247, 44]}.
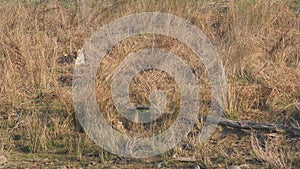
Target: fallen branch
{"type": "Point", "coordinates": [184, 159]}
{"type": "Point", "coordinates": [248, 125]}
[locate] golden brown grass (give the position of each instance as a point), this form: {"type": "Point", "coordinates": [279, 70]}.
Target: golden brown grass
{"type": "Point", "coordinates": [272, 151]}
{"type": "Point", "coordinates": [258, 42]}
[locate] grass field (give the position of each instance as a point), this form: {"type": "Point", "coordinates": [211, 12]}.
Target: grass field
{"type": "Point", "coordinates": [258, 42]}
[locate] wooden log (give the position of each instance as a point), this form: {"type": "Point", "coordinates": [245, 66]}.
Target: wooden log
{"type": "Point", "coordinates": [248, 125]}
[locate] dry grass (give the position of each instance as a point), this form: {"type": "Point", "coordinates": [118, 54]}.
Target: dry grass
{"type": "Point", "coordinates": [272, 151]}
{"type": "Point", "coordinates": [258, 42]}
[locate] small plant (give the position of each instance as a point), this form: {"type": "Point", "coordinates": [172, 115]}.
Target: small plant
{"type": "Point", "coordinates": [295, 5]}
{"type": "Point", "coordinates": [5, 139]}
{"type": "Point", "coordinates": [35, 130]}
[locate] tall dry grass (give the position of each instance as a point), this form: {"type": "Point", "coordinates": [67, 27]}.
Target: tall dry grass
{"type": "Point", "coordinates": [272, 151]}
{"type": "Point", "coordinates": [258, 42]}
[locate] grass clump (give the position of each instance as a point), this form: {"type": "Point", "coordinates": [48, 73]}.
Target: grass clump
{"type": "Point", "coordinates": [258, 42]}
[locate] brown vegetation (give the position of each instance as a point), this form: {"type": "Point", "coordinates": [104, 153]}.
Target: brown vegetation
{"type": "Point", "coordinates": [258, 41]}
